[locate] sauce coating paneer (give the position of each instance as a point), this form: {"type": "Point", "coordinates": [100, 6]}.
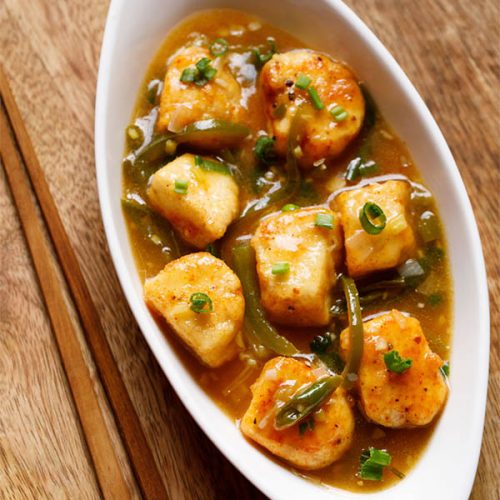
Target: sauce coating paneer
{"type": "Point", "coordinates": [209, 334]}
{"type": "Point", "coordinates": [324, 136]}
{"type": "Point", "coordinates": [408, 399]}
{"type": "Point", "coordinates": [209, 204]}
{"type": "Point", "coordinates": [183, 103]}
{"type": "Point", "coordinates": [300, 296]}
{"type": "Point", "coordinates": [365, 252]}
{"type": "Point", "coordinates": [322, 443]}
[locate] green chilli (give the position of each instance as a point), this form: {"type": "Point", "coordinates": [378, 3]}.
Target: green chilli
{"type": "Point", "coordinates": [306, 401]}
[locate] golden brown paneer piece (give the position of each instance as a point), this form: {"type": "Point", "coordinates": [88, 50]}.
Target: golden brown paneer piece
{"type": "Point", "coordinates": [199, 203]}
{"type": "Point", "coordinates": [366, 252]}
{"type": "Point", "coordinates": [296, 239]}
{"type": "Point", "coordinates": [320, 444]}
{"type": "Point", "coordinates": [398, 400]}
{"type": "Point", "coordinates": [329, 130]}
{"type": "Point", "coordinates": [211, 333]}
{"type": "Point", "coordinates": [183, 103]}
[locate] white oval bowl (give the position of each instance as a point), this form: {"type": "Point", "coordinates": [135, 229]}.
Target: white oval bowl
{"type": "Point", "coordinates": [134, 32]}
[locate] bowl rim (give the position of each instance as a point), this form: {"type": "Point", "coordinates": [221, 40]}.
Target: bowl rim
{"type": "Point", "coordinates": [384, 58]}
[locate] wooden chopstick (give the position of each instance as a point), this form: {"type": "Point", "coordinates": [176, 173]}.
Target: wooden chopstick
{"type": "Point", "coordinates": [141, 457]}
{"type": "Point", "coordinates": [108, 470]}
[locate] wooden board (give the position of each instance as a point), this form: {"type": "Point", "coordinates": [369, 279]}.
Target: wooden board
{"type": "Point", "coordinates": [50, 54]}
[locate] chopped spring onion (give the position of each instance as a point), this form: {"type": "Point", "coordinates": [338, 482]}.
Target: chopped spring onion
{"type": "Point", "coordinates": [315, 99]}
{"type": "Point", "coordinates": [219, 47]}
{"type": "Point", "coordinates": [281, 268]}
{"type": "Point", "coordinates": [324, 220]}
{"type": "Point", "coordinates": [200, 74]}
{"type": "Point", "coordinates": [302, 82]}
{"type": "Point", "coordinates": [339, 113]}
{"type": "Point", "coordinates": [368, 217]}
{"type": "Point", "coordinates": [395, 363]}
{"type": "Point", "coordinates": [201, 303]}
{"type": "Point", "coordinates": [181, 186]}
{"type": "Point", "coordinates": [205, 69]}
{"type": "Point", "coordinates": [189, 75]}
{"type": "Point", "coordinates": [360, 168]}
{"type": "Point", "coordinates": [289, 207]}
{"type": "Point", "coordinates": [260, 58]}
{"type": "Point", "coordinates": [372, 463]}
{"type": "Point", "coordinates": [428, 226]}
{"type": "Point", "coordinates": [264, 149]}
{"type": "Point", "coordinates": [211, 165]}
{"type": "Point", "coordinates": [307, 400]}
{"type": "Point", "coordinates": [445, 369]}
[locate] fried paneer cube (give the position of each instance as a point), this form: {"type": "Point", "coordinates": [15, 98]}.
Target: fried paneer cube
{"type": "Point", "coordinates": [296, 240]}
{"type": "Point", "coordinates": [330, 129]}
{"type": "Point", "coordinates": [409, 399]}
{"type": "Point", "coordinates": [366, 252]}
{"type": "Point", "coordinates": [183, 103]}
{"type": "Point", "coordinates": [209, 334]}
{"type": "Point", "coordinates": [199, 203]}
{"type": "Point", "coordinates": [322, 443]}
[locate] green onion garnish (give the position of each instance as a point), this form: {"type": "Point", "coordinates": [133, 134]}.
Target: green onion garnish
{"type": "Point", "coordinates": [260, 58]}
{"type": "Point", "coordinates": [181, 186]}
{"type": "Point", "coordinates": [211, 165]}
{"type": "Point", "coordinates": [289, 207]}
{"type": "Point", "coordinates": [368, 216]}
{"type": "Point", "coordinates": [219, 47]}
{"type": "Point", "coordinates": [264, 149]}
{"type": "Point", "coordinates": [200, 74]}
{"type": "Point", "coordinates": [324, 220]}
{"type": "Point", "coordinates": [201, 303]}
{"type": "Point", "coordinates": [302, 82]}
{"type": "Point", "coordinates": [313, 94]}
{"type": "Point", "coordinates": [339, 113]}
{"type": "Point", "coordinates": [281, 268]}
{"type": "Point", "coordinates": [372, 463]}
{"type": "Point", "coordinates": [189, 75]}
{"type": "Point", "coordinates": [395, 363]}
{"type": "Point", "coordinates": [360, 168]}
{"type": "Point", "coordinates": [445, 369]}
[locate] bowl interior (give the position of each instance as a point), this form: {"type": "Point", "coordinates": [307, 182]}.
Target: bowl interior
{"type": "Point", "coordinates": [133, 34]}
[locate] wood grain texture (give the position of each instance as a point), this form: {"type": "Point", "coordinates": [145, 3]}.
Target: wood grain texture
{"type": "Point", "coordinates": [50, 54]}
{"type": "Point", "coordinates": [111, 480]}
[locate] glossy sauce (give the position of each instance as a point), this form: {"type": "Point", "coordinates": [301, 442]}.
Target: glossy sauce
{"type": "Point", "coordinates": [229, 385]}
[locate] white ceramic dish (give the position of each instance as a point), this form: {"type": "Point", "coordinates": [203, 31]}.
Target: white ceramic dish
{"type": "Point", "coordinates": [134, 31]}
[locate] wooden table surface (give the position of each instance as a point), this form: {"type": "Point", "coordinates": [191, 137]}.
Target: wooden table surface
{"type": "Point", "coordinates": [50, 52]}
